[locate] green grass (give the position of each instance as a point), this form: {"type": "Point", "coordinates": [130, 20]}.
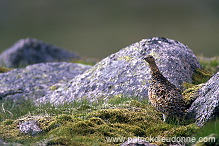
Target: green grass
{"type": "Point", "coordinates": [211, 131]}
{"type": "Point", "coordinates": [12, 110]}
{"type": "Point", "coordinates": [209, 64]}
{"type": "Point", "coordinates": [209, 128]}
{"type": "Point", "coordinates": [86, 61]}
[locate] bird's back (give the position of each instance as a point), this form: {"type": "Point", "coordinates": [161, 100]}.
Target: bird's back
{"type": "Point", "coordinates": [165, 96]}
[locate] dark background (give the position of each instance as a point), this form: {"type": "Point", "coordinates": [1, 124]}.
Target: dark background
{"type": "Point", "coordinates": [98, 28]}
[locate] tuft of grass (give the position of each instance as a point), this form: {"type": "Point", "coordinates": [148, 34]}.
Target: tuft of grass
{"type": "Point", "coordinates": [119, 99]}
{"type": "Point", "coordinates": [209, 64]}
{"type": "Point", "coordinates": [12, 110]}
{"type": "Point", "coordinates": [86, 61]}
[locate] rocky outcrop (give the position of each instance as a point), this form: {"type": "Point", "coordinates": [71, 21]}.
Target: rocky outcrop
{"type": "Point", "coordinates": [206, 105]}
{"type": "Point", "coordinates": [126, 73]}
{"type": "Point", "coordinates": [31, 51]}
{"type": "Point", "coordinates": [36, 80]}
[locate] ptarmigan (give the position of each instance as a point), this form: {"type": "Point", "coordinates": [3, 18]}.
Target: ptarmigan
{"type": "Point", "coordinates": [163, 95]}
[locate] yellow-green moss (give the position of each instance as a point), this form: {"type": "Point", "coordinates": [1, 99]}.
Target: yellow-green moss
{"type": "Point", "coordinates": [86, 61]}
{"type": "Point", "coordinates": [54, 87]}
{"type": "Point", "coordinates": [200, 76]}
{"type": "Point", "coordinates": [187, 85]}
{"type": "Point", "coordinates": [181, 131]}
{"type": "Point", "coordinates": [8, 131]}
{"type": "Point", "coordinates": [97, 121]}
{"type": "Point", "coordinates": [126, 58]}
{"type": "Point", "coordinates": [132, 129]}
{"type": "Point", "coordinates": [7, 122]}
{"type": "Point", "coordinates": [4, 69]}
{"type": "Point", "coordinates": [191, 94]}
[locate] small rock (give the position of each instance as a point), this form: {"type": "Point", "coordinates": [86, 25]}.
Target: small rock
{"type": "Point", "coordinates": [30, 127]}
{"type": "Point", "coordinates": [206, 106]}
{"type": "Point", "coordinates": [31, 51]}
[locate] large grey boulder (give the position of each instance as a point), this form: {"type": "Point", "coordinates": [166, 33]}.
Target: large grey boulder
{"type": "Point", "coordinates": [32, 51]}
{"type": "Point", "coordinates": [37, 80]}
{"type": "Point", "coordinates": [206, 105]}
{"type": "Point", "coordinates": [126, 73]}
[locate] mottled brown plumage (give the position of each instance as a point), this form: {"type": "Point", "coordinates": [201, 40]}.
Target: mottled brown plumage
{"type": "Point", "coordinates": [163, 95]}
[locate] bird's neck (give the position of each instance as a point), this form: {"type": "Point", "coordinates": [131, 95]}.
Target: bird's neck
{"type": "Point", "coordinates": [156, 74]}
{"type": "Point", "coordinates": [154, 68]}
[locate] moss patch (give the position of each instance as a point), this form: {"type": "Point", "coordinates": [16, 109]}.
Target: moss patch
{"type": "Point", "coordinates": [201, 76]}
{"type": "Point", "coordinates": [4, 69]}
{"type": "Point", "coordinates": [191, 94]}
{"type": "Point", "coordinates": [99, 126]}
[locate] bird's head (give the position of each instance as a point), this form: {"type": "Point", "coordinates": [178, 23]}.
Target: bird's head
{"type": "Point", "coordinates": [150, 59]}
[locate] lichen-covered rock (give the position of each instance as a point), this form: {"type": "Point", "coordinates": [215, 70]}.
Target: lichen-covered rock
{"type": "Point", "coordinates": [30, 127]}
{"type": "Point", "coordinates": [36, 80]}
{"type": "Point", "coordinates": [31, 51]}
{"type": "Point", "coordinates": [126, 73]}
{"type": "Point", "coordinates": [206, 105]}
